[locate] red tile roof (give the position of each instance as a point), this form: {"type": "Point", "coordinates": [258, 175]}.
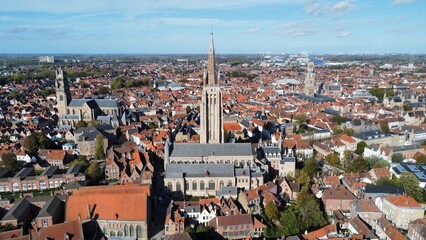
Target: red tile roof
{"type": "Point", "coordinates": [109, 202]}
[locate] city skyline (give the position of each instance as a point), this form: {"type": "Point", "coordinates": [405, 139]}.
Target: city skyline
{"type": "Point", "coordinates": [182, 27]}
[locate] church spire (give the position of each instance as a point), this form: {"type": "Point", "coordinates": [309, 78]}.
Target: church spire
{"type": "Point", "coordinates": [211, 78]}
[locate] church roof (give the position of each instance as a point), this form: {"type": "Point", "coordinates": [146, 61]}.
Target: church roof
{"type": "Point", "coordinates": [217, 149]}
{"type": "Point", "coordinates": [94, 103]}
{"type": "Point", "coordinates": [199, 170]}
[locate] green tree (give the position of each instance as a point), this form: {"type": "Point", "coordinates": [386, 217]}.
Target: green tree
{"type": "Point", "coordinates": [202, 229]}
{"type": "Point", "coordinates": [338, 119]}
{"type": "Point", "coordinates": [348, 131]}
{"type": "Point", "coordinates": [99, 147]}
{"type": "Point", "coordinates": [411, 186]}
{"type": "Point", "coordinates": [271, 211]}
{"type": "Point", "coordinates": [81, 124]}
{"type": "Point", "coordinates": [337, 130]}
{"type": "Point", "coordinates": [347, 159]}
{"type": "Point", "coordinates": [10, 162]}
{"type": "Point", "coordinates": [397, 157]}
{"type": "Point", "coordinates": [384, 127]}
{"type": "Point", "coordinates": [37, 141]}
{"type": "Point", "coordinates": [376, 162]}
{"type": "Point", "coordinates": [310, 167]}
{"type": "Point", "coordinates": [82, 160]}
{"type": "Point", "coordinates": [421, 159]}
{"type": "Point", "coordinates": [407, 108]}
{"type": "Point", "coordinates": [93, 172]}
{"type": "Point", "coordinates": [300, 118]}
{"type": "Point", "coordinates": [380, 92]}
{"type": "Point", "coordinates": [333, 159]}
{"type": "Point", "coordinates": [189, 229]}
{"type": "Point", "coordinates": [360, 147]}
{"type": "Point", "coordinates": [290, 222]}
{"type": "Point", "coordinates": [310, 215]}
{"type": "Point", "coordinates": [385, 181]}
{"type": "Point", "coordinates": [359, 165]}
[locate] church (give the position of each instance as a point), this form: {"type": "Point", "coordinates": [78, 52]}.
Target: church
{"type": "Point", "coordinates": [71, 111]}
{"type": "Point", "coordinates": [205, 168]}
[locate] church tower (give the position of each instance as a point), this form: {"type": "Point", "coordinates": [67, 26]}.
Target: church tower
{"type": "Point", "coordinates": [63, 94]}
{"type": "Point", "coordinates": [211, 103]}
{"type": "Point", "coordinates": [310, 80]}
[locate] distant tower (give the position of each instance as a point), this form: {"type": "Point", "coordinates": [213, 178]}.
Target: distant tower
{"type": "Point", "coordinates": [63, 94]}
{"type": "Point", "coordinates": [310, 80]}
{"type": "Point", "coordinates": [211, 103]}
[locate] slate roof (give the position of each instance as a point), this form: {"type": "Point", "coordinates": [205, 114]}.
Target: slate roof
{"type": "Point", "coordinates": [199, 170]}
{"type": "Point", "coordinates": [18, 209]}
{"type": "Point", "coordinates": [50, 207]}
{"type": "Point", "coordinates": [217, 149]}
{"type": "Point", "coordinates": [49, 171]}
{"type": "Point", "coordinates": [384, 189]}
{"type": "Point", "coordinates": [367, 135]}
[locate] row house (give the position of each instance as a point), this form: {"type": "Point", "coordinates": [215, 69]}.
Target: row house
{"type": "Point", "coordinates": [25, 180]}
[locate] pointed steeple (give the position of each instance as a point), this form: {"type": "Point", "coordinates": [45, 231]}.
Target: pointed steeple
{"type": "Point", "coordinates": [211, 78]}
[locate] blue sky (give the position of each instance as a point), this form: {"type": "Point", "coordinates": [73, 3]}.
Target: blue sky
{"type": "Point", "coordinates": [240, 26]}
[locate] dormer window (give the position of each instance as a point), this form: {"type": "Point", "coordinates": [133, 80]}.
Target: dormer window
{"type": "Point", "coordinates": [207, 174]}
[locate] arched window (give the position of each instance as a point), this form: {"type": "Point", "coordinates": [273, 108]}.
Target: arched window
{"type": "Point", "coordinates": [126, 230]}
{"type": "Point", "coordinates": [221, 184]}
{"type": "Point", "coordinates": [132, 231]}
{"type": "Point", "coordinates": [24, 186]}
{"type": "Point", "coordinates": [138, 231]}
{"type": "Point", "coordinates": [112, 234]}
{"type": "Point", "coordinates": [178, 187]}
{"type": "Point", "coordinates": [194, 185]}
{"type": "Point", "coordinates": [236, 163]}
{"type": "Point", "coordinates": [170, 186]}
{"type": "Point", "coordinates": [186, 185]}
{"type": "Point", "coordinates": [119, 234]}
{"type": "Point", "coordinates": [104, 230]}
{"type": "Point", "coordinates": [242, 163]}
{"type": "Point", "coordinates": [35, 185]}
{"type": "Point", "coordinates": [202, 185]}
{"type": "Point", "coordinates": [229, 183]}
{"type": "Point", "coordinates": [15, 187]}
{"type": "Point", "coordinates": [212, 185]}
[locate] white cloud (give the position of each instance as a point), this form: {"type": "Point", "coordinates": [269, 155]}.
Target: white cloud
{"type": "Point", "coordinates": [343, 34]}
{"type": "Point", "coordinates": [342, 7]}
{"type": "Point", "coordinates": [295, 29]}
{"type": "Point", "coordinates": [339, 9]}
{"type": "Point", "coordinates": [401, 2]}
{"type": "Point", "coordinates": [252, 30]}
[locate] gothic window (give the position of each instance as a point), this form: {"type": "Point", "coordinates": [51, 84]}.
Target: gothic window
{"type": "Point", "coordinates": [178, 187]}
{"type": "Point", "coordinates": [202, 185]}
{"type": "Point", "coordinates": [132, 231]}
{"type": "Point", "coordinates": [221, 184]}
{"type": "Point", "coordinates": [119, 234]}
{"type": "Point", "coordinates": [230, 183]}
{"type": "Point", "coordinates": [186, 185]}
{"type": "Point", "coordinates": [170, 186]}
{"type": "Point", "coordinates": [194, 186]}
{"type": "Point", "coordinates": [112, 234]}
{"type": "Point", "coordinates": [126, 230]}
{"type": "Point", "coordinates": [212, 185]}
{"type": "Point", "coordinates": [138, 231]}
{"type": "Point", "coordinates": [104, 230]}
